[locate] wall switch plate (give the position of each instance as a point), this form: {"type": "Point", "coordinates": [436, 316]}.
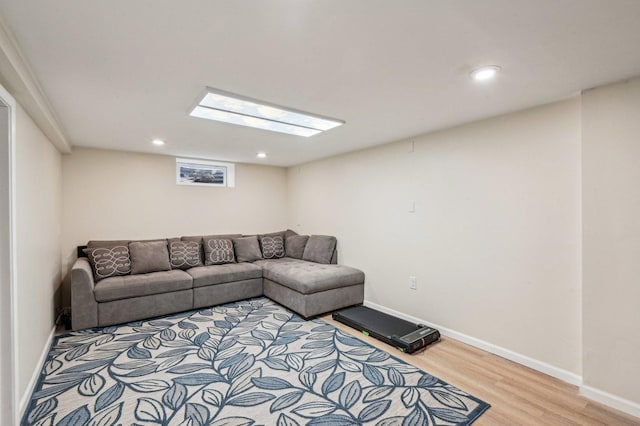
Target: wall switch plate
{"type": "Point", "coordinates": [413, 283]}
{"type": "Point", "coordinates": [412, 206]}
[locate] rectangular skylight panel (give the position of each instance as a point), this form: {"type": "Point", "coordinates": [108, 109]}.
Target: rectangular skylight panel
{"type": "Point", "coordinates": [258, 123]}
{"type": "Point", "coordinates": [222, 106]}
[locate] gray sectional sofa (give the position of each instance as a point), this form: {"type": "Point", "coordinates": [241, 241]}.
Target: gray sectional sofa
{"type": "Point", "coordinates": [122, 281]}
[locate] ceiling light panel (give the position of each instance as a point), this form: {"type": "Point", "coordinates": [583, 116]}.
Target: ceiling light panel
{"type": "Point", "coordinates": [234, 109]}
{"type": "Point", "coordinates": [485, 73]}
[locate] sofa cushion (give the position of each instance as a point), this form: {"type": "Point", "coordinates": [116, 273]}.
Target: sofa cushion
{"type": "Point", "coordinates": [149, 256]}
{"type": "Point", "coordinates": [288, 233]}
{"type": "Point", "coordinates": [218, 274]}
{"type": "Point", "coordinates": [218, 251]}
{"type": "Point", "coordinates": [116, 288]}
{"type": "Point", "coordinates": [294, 246]}
{"type": "Point", "coordinates": [108, 258]}
{"type": "Point", "coordinates": [184, 254]}
{"type": "Point", "coordinates": [319, 248]}
{"type": "Point", "coordinates": [308, 277]}
{"type": "Point", "coordinates": [272, 247]}
{"type": "Point", "coordinates": [247, 249]}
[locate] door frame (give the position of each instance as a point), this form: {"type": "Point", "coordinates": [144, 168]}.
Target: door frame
{"type": "Point", "coordinates": [8, 270]}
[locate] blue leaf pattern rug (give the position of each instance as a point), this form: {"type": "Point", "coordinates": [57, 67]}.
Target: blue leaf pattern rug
{"type": "Point", "coordinates": [244, 363]}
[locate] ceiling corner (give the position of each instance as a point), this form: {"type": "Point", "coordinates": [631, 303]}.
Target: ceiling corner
{"type": "Point", "coordinates": [18, 78]}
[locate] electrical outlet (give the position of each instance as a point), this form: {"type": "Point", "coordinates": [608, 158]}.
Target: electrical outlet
{"type": "Point", "coordinates": [413, 283]}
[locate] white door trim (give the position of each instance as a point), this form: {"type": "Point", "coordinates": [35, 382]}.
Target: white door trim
{"type": "Point", "coordinates": [10, 315]}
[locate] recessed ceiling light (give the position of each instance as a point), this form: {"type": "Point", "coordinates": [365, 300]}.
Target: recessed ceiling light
{"type": "Point", "coordinates": [158, 142]}
{"type": "Point", "coordinates": [235, 109]}
{"type": "Point", "coordinates": [261, 155]}
{"type": "Point", "coordinates": [485, 73]}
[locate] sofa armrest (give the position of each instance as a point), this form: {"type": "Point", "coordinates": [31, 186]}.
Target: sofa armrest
{"type": "Point", "coordinates": [84, 308]}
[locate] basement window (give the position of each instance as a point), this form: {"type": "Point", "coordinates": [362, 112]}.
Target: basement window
{"type": "Point", "coordinates": [205, 173]}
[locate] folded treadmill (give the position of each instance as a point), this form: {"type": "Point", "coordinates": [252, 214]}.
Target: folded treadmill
{"type": "Point", "coordinates": [404, 335]}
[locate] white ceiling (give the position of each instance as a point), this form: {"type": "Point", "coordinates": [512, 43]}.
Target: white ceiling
{"type": "Point", "coordinates": [122, 72]}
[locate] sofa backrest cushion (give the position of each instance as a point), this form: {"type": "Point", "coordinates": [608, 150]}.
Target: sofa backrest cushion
{"type": "Point", "coordinates": [247, 249]}
{"type": "Point", "coordinates": [218, 251]}
{"type": "Point", "coordinates": [319, 249]}
{"type": "Point", "coordinates": [289, 233]}
{"type": "Point", "coordinates": [184, 254]}
{"type": "Point", "coordinates": [149, 256]}
{"type": "Point", "coordinates": [108, 258]}
{"type": "Point", "coordinates": [295, 244]}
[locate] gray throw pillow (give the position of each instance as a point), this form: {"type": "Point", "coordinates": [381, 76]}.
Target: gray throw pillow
{"type": "Point", "coordinates": [184, 254]}
{"type": "Point", "coordinates": [247, 249]}
{"type": "Point", "coordinates": [272, 247]}
{"type": "Point", "coordinates": [218, 251]}
{"type": "Point", "coordinates": [319, 249]}
{"type": "Point", "coordinates": [108, 258]}
{"type": "Point", "coordinates": [295, 244]}
{"type": "Point", "coordinates": [271, 234]}
{"type": "Point", "coordinates": [149, 256]}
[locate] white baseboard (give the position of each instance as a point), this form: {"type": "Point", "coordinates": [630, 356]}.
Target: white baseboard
{"type": "Point", "coordinates": [611, 400]}
{"type": "Point", "coordinates": [535, 364]}
{"type": "Point", "coordinates": [26, 397]}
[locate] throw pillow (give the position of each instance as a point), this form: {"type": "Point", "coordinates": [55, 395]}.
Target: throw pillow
{"type": "Point", "coordinates": [149, 256]}
{"type": "Point", "coordinates": [319, 249]}
{"type": "Point", "coordinates": [272, 247]}
{"type": "Point", "coordinates": [247, 249]}
{"type": "Point", "coordinates": [271, 234]}
{"type": "Point", "coordinates": [202, 240]}
{"type": "Point", "coordinates": [218, 251]}
{"type": "Point", "coordinates": [184, 254]}
{"type": "Point", "coordinates": [108, 258]}
{"type": "Point", "coordinates": [295, 245]}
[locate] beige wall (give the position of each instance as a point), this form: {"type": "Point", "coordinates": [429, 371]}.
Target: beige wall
{"type": "Point", "coordinates": [38, 219]}
{"type": "Point", "coordinates": [495, 241]}
{"type": "Point", "coordinates": [118, 195]}
{"type": "Point", "coordinates": [611, 251]}
{"type": "Point", "coordinates": [495, 238]}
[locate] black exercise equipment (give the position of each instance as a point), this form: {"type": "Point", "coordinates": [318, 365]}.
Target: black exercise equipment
{"type": "Point", "coordinates": [404, 335]}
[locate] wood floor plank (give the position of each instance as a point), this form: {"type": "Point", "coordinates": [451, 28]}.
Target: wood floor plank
{"type": "Point", "coordinates": [518, 395]}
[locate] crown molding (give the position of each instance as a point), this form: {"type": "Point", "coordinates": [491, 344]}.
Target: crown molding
{"type": "Point", "coordinates": [19, 79]}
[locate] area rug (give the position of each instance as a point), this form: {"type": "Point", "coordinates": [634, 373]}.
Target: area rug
{"type": "Point", "coordinates": [244, 363]}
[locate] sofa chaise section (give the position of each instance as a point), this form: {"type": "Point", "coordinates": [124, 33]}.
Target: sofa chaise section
{"type": "Point", "coordinates": [311, 288]}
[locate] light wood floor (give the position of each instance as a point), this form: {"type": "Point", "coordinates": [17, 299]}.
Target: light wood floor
{"type": "Point", "coordinates": [518, 395]}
